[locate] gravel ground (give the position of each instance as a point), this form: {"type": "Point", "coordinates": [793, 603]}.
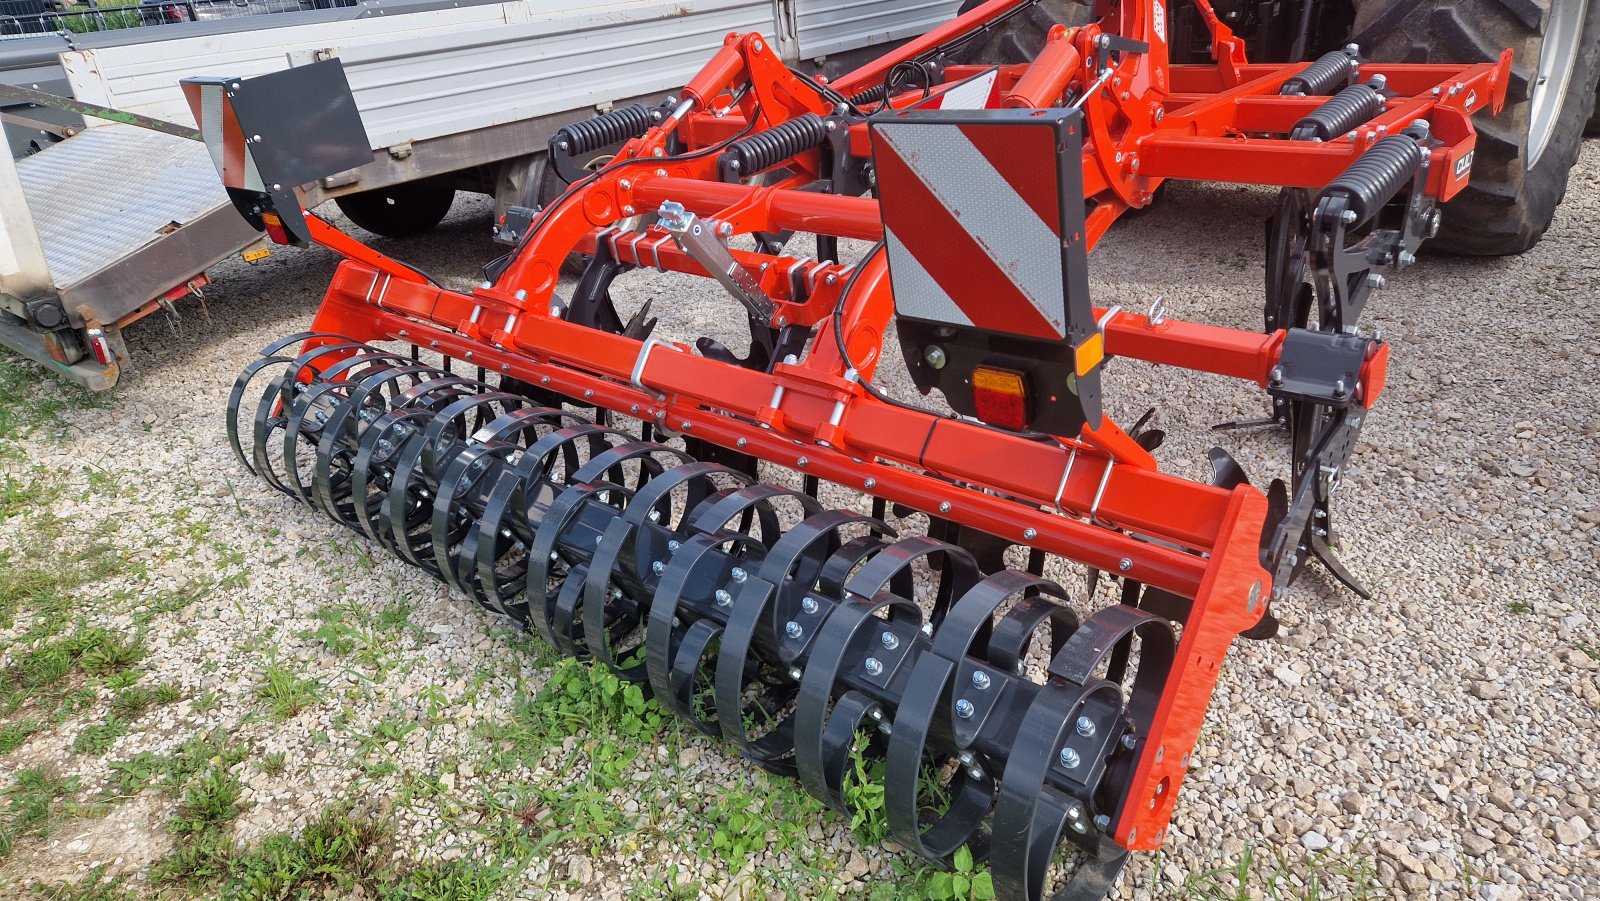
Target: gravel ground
{"type": "Point", "coordinates": [1442, 734]}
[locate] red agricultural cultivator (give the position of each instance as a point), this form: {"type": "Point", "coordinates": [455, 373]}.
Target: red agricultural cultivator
{"type": "Point", "coordinates": [600, 484]}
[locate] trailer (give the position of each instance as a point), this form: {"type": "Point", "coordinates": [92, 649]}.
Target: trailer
{"type": "Point", "coordinates": [457, 97]}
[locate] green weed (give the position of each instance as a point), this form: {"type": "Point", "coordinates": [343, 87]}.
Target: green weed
{"type": "Point", "coordinates": [286, 694]}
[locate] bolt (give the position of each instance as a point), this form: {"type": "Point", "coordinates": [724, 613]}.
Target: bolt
{"type": "Point", "coordinates": [944, 506]}
{"type": "Point", "coordinates": [870, 484]}
{"type": "Point", "coordinates": [1070, 758]}
{"type": "Point", "coordinates": [1125, 564]}
{"type": "Point", "coordinates": [726, 229]}
{"type": "Point", "coordinates": [934, 356]}
{"type": "Point", "coordinates": [980, 680]}
{"type": "Point", "coordinates": [890, 640]}
{"type": "Point", "coordinates": [627, 210]}
{"type": "Point", "coordinates": [975, 772]}
{"type": "Point", "coordinates": [795, 673]}
{"type": "Point", "coordinates": [1102, 822]}
{"type": "Point", "coordinates": [1030, 533]}
{"type": "Point", "coordinates": [655, 516]}
{"type": "Point", "coordinates": [673, 545]}
{"type": "Point", "coordinates": [1160, 114]}
{"type": "Point", "coordinates": [1377, 281]}
{"type": "Point", "coordinates": [1338, 388]}
{"type": "Point", "coordinates": [1128, 741]}
{"type": "Point", "coordinates": [793, 629]}
{"type": "Point", "coordinates": [1349, 216]}
{"type": "Point", "coordinates": [964, 709]}
{"type": "Point", "coordinates": [876, 713]}
{"type": "Point", "coordinates": [1277, 375]}
{"type": "Point", "coordinates": [588, 392]}
{"type": "Point", "coordinates": [658, 567]}
{"type": "Point", "coordinates": [1085, 726]}
{"type": "Point", "coordinates": [965, 757]}
{"type": "Point", "coordinates": [741, 443]}
{"type": "Point", "coordinates": [874, 667]}
{"type": "Point", "coordinates": [802, 462]}
{"type": "Point", "coordinates": [625, 185]}
{"type": "Point", "coordinates": [738, 574]}
{"type": "Point", "coordinates": [1407, 258]}
{"type": "Point", "coordinates": [723, 597]}
{"type": "Point", "coordinates": [927, 629]}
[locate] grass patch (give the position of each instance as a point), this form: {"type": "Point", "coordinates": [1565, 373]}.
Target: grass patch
{"type": "Point", "coordinates": [286, 694]}
{"type": "Point", "coordinates": [1271, 873]}
{"type": "Point", "coordinates": [33, 403]}
{"type": "Point", "coordinates": [342, 853]}
{"type": "Point", "coordinates": [50, 589]}
{"type": "Point", "coordinates": [173, 772]}
{"type": "Point", "coordinates": [34, 799]}
{"type": "Point", "coordinates": [94, 886]}
{"type": "Point", "coordinates": [47, 683]}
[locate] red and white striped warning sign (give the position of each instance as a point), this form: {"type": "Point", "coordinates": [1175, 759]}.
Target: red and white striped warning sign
{"type": "Point", "coordinates": [972, 222]}
{"type": "Point", "coordinates": [230, 152]}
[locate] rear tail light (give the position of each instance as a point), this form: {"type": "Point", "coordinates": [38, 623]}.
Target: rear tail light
{"type": "Point", "coordinates": [1000, 397]}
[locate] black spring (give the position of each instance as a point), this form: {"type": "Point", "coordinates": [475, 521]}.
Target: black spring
{"type": "Point", "coordinates": [1378, 175]}
{"type": "Point", "coordinates": [870, 95]}
{"type": "Point", "coordinates": [1344, 111]}
{"type": "Point", "coordinates": [603, 131]}
{"type": "Point", "coordinates": [771, 147]}
{"type": "Point", "coordinates": [1323, 76]}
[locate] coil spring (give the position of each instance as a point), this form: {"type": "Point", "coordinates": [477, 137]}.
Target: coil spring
{"type": "Point", "coordinates": [1322, 76]}
{"type": "Point", "coordinates": [1377, 175]}
{"type": "Point", "coordinates": [680, 575]}
{"type": "Point", "coordinates": [605, 130]}
{"type": "Point", "coordinates": [766, 149]}
{"type": "Point", "coordinates": [1342, 112]}
{"type": "Point", "coordinates": [870, 95]}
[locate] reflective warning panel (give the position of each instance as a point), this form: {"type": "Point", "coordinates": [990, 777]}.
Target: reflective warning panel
{"type": "Point", "coordinates": [983, 218]}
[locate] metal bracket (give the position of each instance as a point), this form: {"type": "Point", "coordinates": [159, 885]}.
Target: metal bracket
{"type": "Point", "coordinates": [701, 239]}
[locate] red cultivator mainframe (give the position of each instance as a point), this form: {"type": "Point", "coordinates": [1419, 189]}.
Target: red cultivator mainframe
{"type": "Point", "coordinates": [1009, 715]}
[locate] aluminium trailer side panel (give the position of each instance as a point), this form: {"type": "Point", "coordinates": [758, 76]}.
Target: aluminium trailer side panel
{"type": "Point", "coordinates": [826, 27]}
{"type": "Point", "coordinates": [453, 72]}
{"type": "Point", "coordinates": [143, 78]}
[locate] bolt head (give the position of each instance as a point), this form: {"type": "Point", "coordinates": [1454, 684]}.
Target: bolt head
{"type": "Point", "coordinates": [658, 567]}
{"type": "Point", "coordinates": [1085, 726]}
{"type": "Point", "coordinates": [964, 709]}
{"type": "Point", "coordinates": [1030, 533]}
{"type": "Point", "coordinates": [793, 629]}
{"type": "Point", "coordinates": [890, 640]}
{"type": "Point", "coordinates": [739, 575]}
{"type": "Point", "coordinates": [980, 680]}
{"type": "Point", "coordinates": [723, 597]}
{"type": "Point", "coordinates": [1070, 759]}
{"type": "Point", "coordinates": [934, 356]}
{"type": "Point", "coordinates": [796, 673]}
{"type": "Point", "coordinates": [1125, 564]}
{"type": "Point", "coordinates": [809, 605]}
{"type": "Point", "coordinates": [944, 506]}
{"type": "Point", "coordinates": [874, 666]}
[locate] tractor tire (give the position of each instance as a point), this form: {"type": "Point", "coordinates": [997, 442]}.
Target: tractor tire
{"type": "Point", "coordinates": [399, 211]}
{"type": "Point", "coordinates": [1524, 155]}
{"type": "Point", "coordinates": [1022, 36]}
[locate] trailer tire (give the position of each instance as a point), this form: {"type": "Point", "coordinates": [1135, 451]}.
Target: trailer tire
{"type": "Point", "coordinates": [1524, 155]}
{"type": "Point", "coordinates": [399, 211]}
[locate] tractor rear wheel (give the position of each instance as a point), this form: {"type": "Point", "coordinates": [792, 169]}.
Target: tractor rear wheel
{"type": "Point", "coordinates": [1523, 157]}
{"type": "Point", "coordinates": [399, 211]}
